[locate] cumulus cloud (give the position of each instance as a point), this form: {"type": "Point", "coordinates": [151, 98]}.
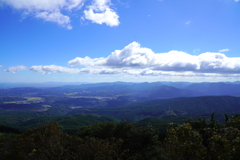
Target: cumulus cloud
{"type": "Point", "coordinates": [134, 60]}
{"type": "Point", "coordinates": [134, 57]}
{"type": "Point", "coordinates": [86, 61]}
{"type": "Point", "coordinates": [58, 11]}
{"type": "Point", "coordinates": [100, 12]}
{"type": "Point", "coordinates": [130, 56]}
{"type": "Point", "coordinates": [16, 69]}
{"type": "Point", "coordinates": [49, 10]}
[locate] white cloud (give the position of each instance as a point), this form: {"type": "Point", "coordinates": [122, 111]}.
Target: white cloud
{"type": "Point", "coordinates": [55, 17]}
{"type": "Point", "coordinates": [223, 50]}
{"type": "Point", "coordinates": [134, 60]}
{"type": "Point", "coordinates": [237, 0]}
{"type": "Point", "coordinates": [52, 10]}
{"type": "Point", "coordinates": [1, 65]}
{"type": "Point", "coordinates": [134, 57]}
{"type": "Point", "coordinates": [16, 69]}
{"type": "Point", "coordinates": [59, 69]}
{"type": "Point", "coordinates": [86, 61]}
{"type": "Point", "coordinates": [101, 70]}
{"type": "Point", "coordinates": [53, 68]}
{"type": "Point", "coordinates": [49, 10]}
{"type": "Point", "coordinates": [100, 12]}
{"type": "Point", "coordinates": [75, 4]}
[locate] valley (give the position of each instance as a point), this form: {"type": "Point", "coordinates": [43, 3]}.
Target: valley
{"type": "Point", "coordinates": [133, 102]}
{"type": "Point", "coordinates": [123, 120]}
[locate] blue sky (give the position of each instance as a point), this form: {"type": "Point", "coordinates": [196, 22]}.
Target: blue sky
{"type": "Point", "coordinates": [119, 40]}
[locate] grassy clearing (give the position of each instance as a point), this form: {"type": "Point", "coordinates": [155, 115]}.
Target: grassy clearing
{"type": "Point", "coordinates": [46, 106]}
{"type": "Point", "coordinates": [34, 98]}
{"type": "Point", "coordinates": [28, 101]}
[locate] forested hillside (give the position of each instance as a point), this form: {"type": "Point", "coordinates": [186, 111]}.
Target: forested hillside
{"type": "Point", "coordinates": [121, 121]}
{"type": "Point", "coordinates": [185, 106]}
{"type": "Point", "coordinates": [200, 139]}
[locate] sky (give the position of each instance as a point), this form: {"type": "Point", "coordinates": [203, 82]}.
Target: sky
{"type": "Point", "coordinates": [119, 40]}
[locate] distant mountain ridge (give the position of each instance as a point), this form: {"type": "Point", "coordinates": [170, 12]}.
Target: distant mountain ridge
{"type": "Point", "coordinates": [215, 88]}
{"type": "Point", "coordinates": [147, 91]}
